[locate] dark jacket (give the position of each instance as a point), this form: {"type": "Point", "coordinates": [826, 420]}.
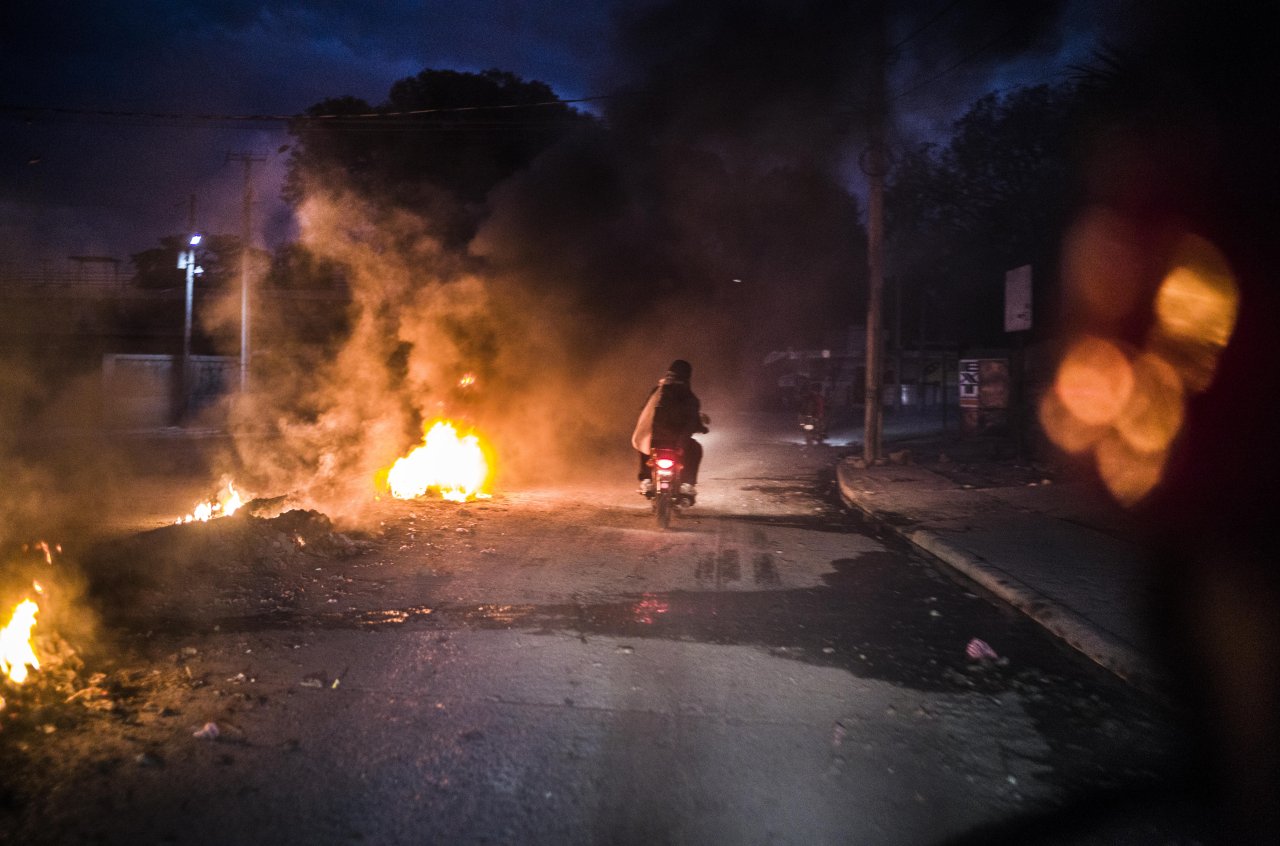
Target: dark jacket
{"type": "Point", "coordinates": [671, 414]}
{"type": "Point", "coordinates": [677, 414]}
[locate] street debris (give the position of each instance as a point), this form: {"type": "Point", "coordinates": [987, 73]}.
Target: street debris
{"type": "Point", "coordinates": [209, 731]}
{"type": "Point", "coordinates": [979, 650]}
{"type": "Point", "coordinates": [319, 680]}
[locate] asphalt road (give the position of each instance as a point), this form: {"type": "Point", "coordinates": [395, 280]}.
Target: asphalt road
{"type": "Point", "coordinates": [549, 667]}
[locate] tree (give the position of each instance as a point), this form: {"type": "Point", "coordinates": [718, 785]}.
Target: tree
{"type": "Point", "coordinates": [415, 152]}
{"type": "Point", "coordinates": [996, 196]}
{"type": "Point", "coordinates": [217, 255]}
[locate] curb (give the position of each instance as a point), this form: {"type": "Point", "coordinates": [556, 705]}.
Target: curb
{"type": "Point", "coordinates": [1074, 630]}
{"type": "Point", "coordinates": [1060, 621]}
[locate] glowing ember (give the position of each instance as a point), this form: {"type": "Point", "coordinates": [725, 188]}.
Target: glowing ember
{"type": "Point", "coordinates": [227, 503]}
{"type": "Point", "coordinates": [16, 654]}
{"type": "Point", "coordinates": [649, 608]}
{"type": "Point", "coordinates": [453, 466]}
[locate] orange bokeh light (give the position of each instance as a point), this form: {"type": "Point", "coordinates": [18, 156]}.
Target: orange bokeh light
{"type": "Point", "coordinates": [1151, 419]}
{"type": "Point", "coordinates": [1128, 474]}
{"type": "Point", "coordinates": [1095, 381]}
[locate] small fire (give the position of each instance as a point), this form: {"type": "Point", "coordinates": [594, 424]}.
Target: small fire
{"type": "Point", "coordinates": [454, 466]}
{"type": "Point", "coordinates": [227, 503]}
{"type": "Point", "coordinates": [44, 549]}
{"type": "Point", "coordinates": [16, 654]}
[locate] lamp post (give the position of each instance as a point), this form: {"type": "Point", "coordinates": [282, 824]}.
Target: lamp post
{"type": "Point", "coordinates": [187, 261]}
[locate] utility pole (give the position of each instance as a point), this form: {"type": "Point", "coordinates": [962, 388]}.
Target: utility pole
{"type": "Point", "coordinates": [874, 167]}
{"type": "Point", "coordinates": [246, 232]}
{"type": "Point", "coordinates": [187, 262]}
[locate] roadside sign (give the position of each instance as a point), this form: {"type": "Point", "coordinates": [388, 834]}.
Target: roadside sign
{"type": "Point", "coordinates": [1017, 299]}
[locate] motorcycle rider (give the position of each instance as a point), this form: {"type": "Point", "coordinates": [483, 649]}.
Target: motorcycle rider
{"type": "Point", "coordinates": [670, 418]}
{"type": "Point", "coordinates": [813, 408]}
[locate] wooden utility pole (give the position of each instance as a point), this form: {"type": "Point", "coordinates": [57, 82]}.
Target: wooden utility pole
{"type": "Point", "coordinates": [246, 233]}
{"type": "Point", "coordinates": [874, 167]}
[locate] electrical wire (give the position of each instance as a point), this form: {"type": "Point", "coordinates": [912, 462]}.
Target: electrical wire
{"type": "Point", "coordinates": [963, 60]}
{"type": "Point", "coordinates": [922, 27]}
{"type": "Point", "coordinates": [31, 111]}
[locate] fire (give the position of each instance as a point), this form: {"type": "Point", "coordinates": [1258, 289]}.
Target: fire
{"type": "Point", "coordinates": [454, 466]}
{"type": "Point", "coordinates": [16, 654]}
{"type": "Point", "coordinates": [228, 502]}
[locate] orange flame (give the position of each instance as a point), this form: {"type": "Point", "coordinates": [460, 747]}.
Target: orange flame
{"type": "Point", "coordinates": [16, 654]}
{"type": "Point", "coordinates": [456, 467]}
{"type": "Point", "coordinates": [228, 502]}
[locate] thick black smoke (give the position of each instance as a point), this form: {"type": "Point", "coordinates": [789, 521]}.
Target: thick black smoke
{"type": "Point", "coordinates": [707, 215]}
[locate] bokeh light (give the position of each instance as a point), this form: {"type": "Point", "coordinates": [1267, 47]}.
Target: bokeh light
{"type": "Point", "coordinates": [1153, 415]}
{"type": "Point", "coordinates": [1128, 474]}
{"type": "Point", "coordinates": [1095, 380]}
{"type": "Point", "coordinates": [1102, 266]}
{"type": "Point", "coordinates": [1064, 428]}
{"type": "Point", "coordinates": [1128, 409]}
{"type": "Point", "coordinates": [1199, 298]}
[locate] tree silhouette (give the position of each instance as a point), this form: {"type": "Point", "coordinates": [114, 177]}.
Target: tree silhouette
{"type": "Point", "coordinates": [996, 196]}
{"type": "Point", "coordinates": [439, 143]}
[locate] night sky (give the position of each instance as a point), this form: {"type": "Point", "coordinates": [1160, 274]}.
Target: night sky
{"type": "Point", "coordinates": [112, 185]}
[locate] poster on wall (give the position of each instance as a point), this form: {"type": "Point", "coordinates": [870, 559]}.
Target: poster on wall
{"type": "Point", "coordinates": [969, 370]}
{"type": "Point", "coordinates": [984, 393]}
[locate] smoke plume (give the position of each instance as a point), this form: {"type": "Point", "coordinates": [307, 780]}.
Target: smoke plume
{"type": "Point", "coordinates": [706, 215]}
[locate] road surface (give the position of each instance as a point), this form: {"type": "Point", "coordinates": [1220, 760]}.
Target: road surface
{"type": "Point", "coordinates": [550, 667]}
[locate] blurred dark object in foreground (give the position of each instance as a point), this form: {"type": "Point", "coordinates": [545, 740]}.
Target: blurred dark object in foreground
{"type": "Point", "coordinates": [1189, 140]}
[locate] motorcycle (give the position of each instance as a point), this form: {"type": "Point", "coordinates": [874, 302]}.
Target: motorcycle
{"type": "Point", "coordinates": [667, 465]}
{"type": "Point", "coordinates": [814, 428]}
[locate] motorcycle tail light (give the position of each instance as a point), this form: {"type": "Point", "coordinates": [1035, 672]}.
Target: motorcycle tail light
{"type": "Point", "coordinates": [665, 463]}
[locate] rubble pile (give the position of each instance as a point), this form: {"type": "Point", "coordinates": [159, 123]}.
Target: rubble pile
{"type": "Point", "coordinates": [193, 572]}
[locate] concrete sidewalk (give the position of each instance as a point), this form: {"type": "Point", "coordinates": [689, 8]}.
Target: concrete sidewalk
{"type": "Point", "coordinates": [1059, 552]}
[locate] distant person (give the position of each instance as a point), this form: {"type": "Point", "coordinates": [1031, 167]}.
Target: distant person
{"type": "Point", "coordinates": [670, 418]}
{"type": "Point", "coordinates": [813, 409]}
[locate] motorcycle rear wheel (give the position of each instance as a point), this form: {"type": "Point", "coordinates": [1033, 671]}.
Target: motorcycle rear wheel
{"type": "Point", "coordinates": [663, 507]}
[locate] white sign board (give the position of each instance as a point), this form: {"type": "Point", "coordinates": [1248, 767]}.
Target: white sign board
{"type": "Point", "coordinates": [1017, 299]}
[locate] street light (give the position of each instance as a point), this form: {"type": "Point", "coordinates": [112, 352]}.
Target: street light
{"type": "Point", "coordinates": [187, 261]}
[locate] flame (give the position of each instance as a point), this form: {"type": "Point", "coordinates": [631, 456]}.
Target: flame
{"type": "Point", "coordinates": [454, 466]}
{"type": "Point", "coordinates": [227, 503]}
{"type": "Point", "coordinates": [16, 654]}
{"type": "Point", "coordinates": [44, 549]}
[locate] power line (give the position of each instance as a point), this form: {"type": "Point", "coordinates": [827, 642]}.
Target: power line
{"type": "Point", "coordinates": [963, 60]}
{"type": "Point", "coordinates": [922, 27]}
{"type": "Point", "coordinates": [29, 111]}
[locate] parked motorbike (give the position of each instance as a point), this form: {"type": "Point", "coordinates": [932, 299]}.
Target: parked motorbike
{"type": "Point", "coordinates": [667, 466]}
